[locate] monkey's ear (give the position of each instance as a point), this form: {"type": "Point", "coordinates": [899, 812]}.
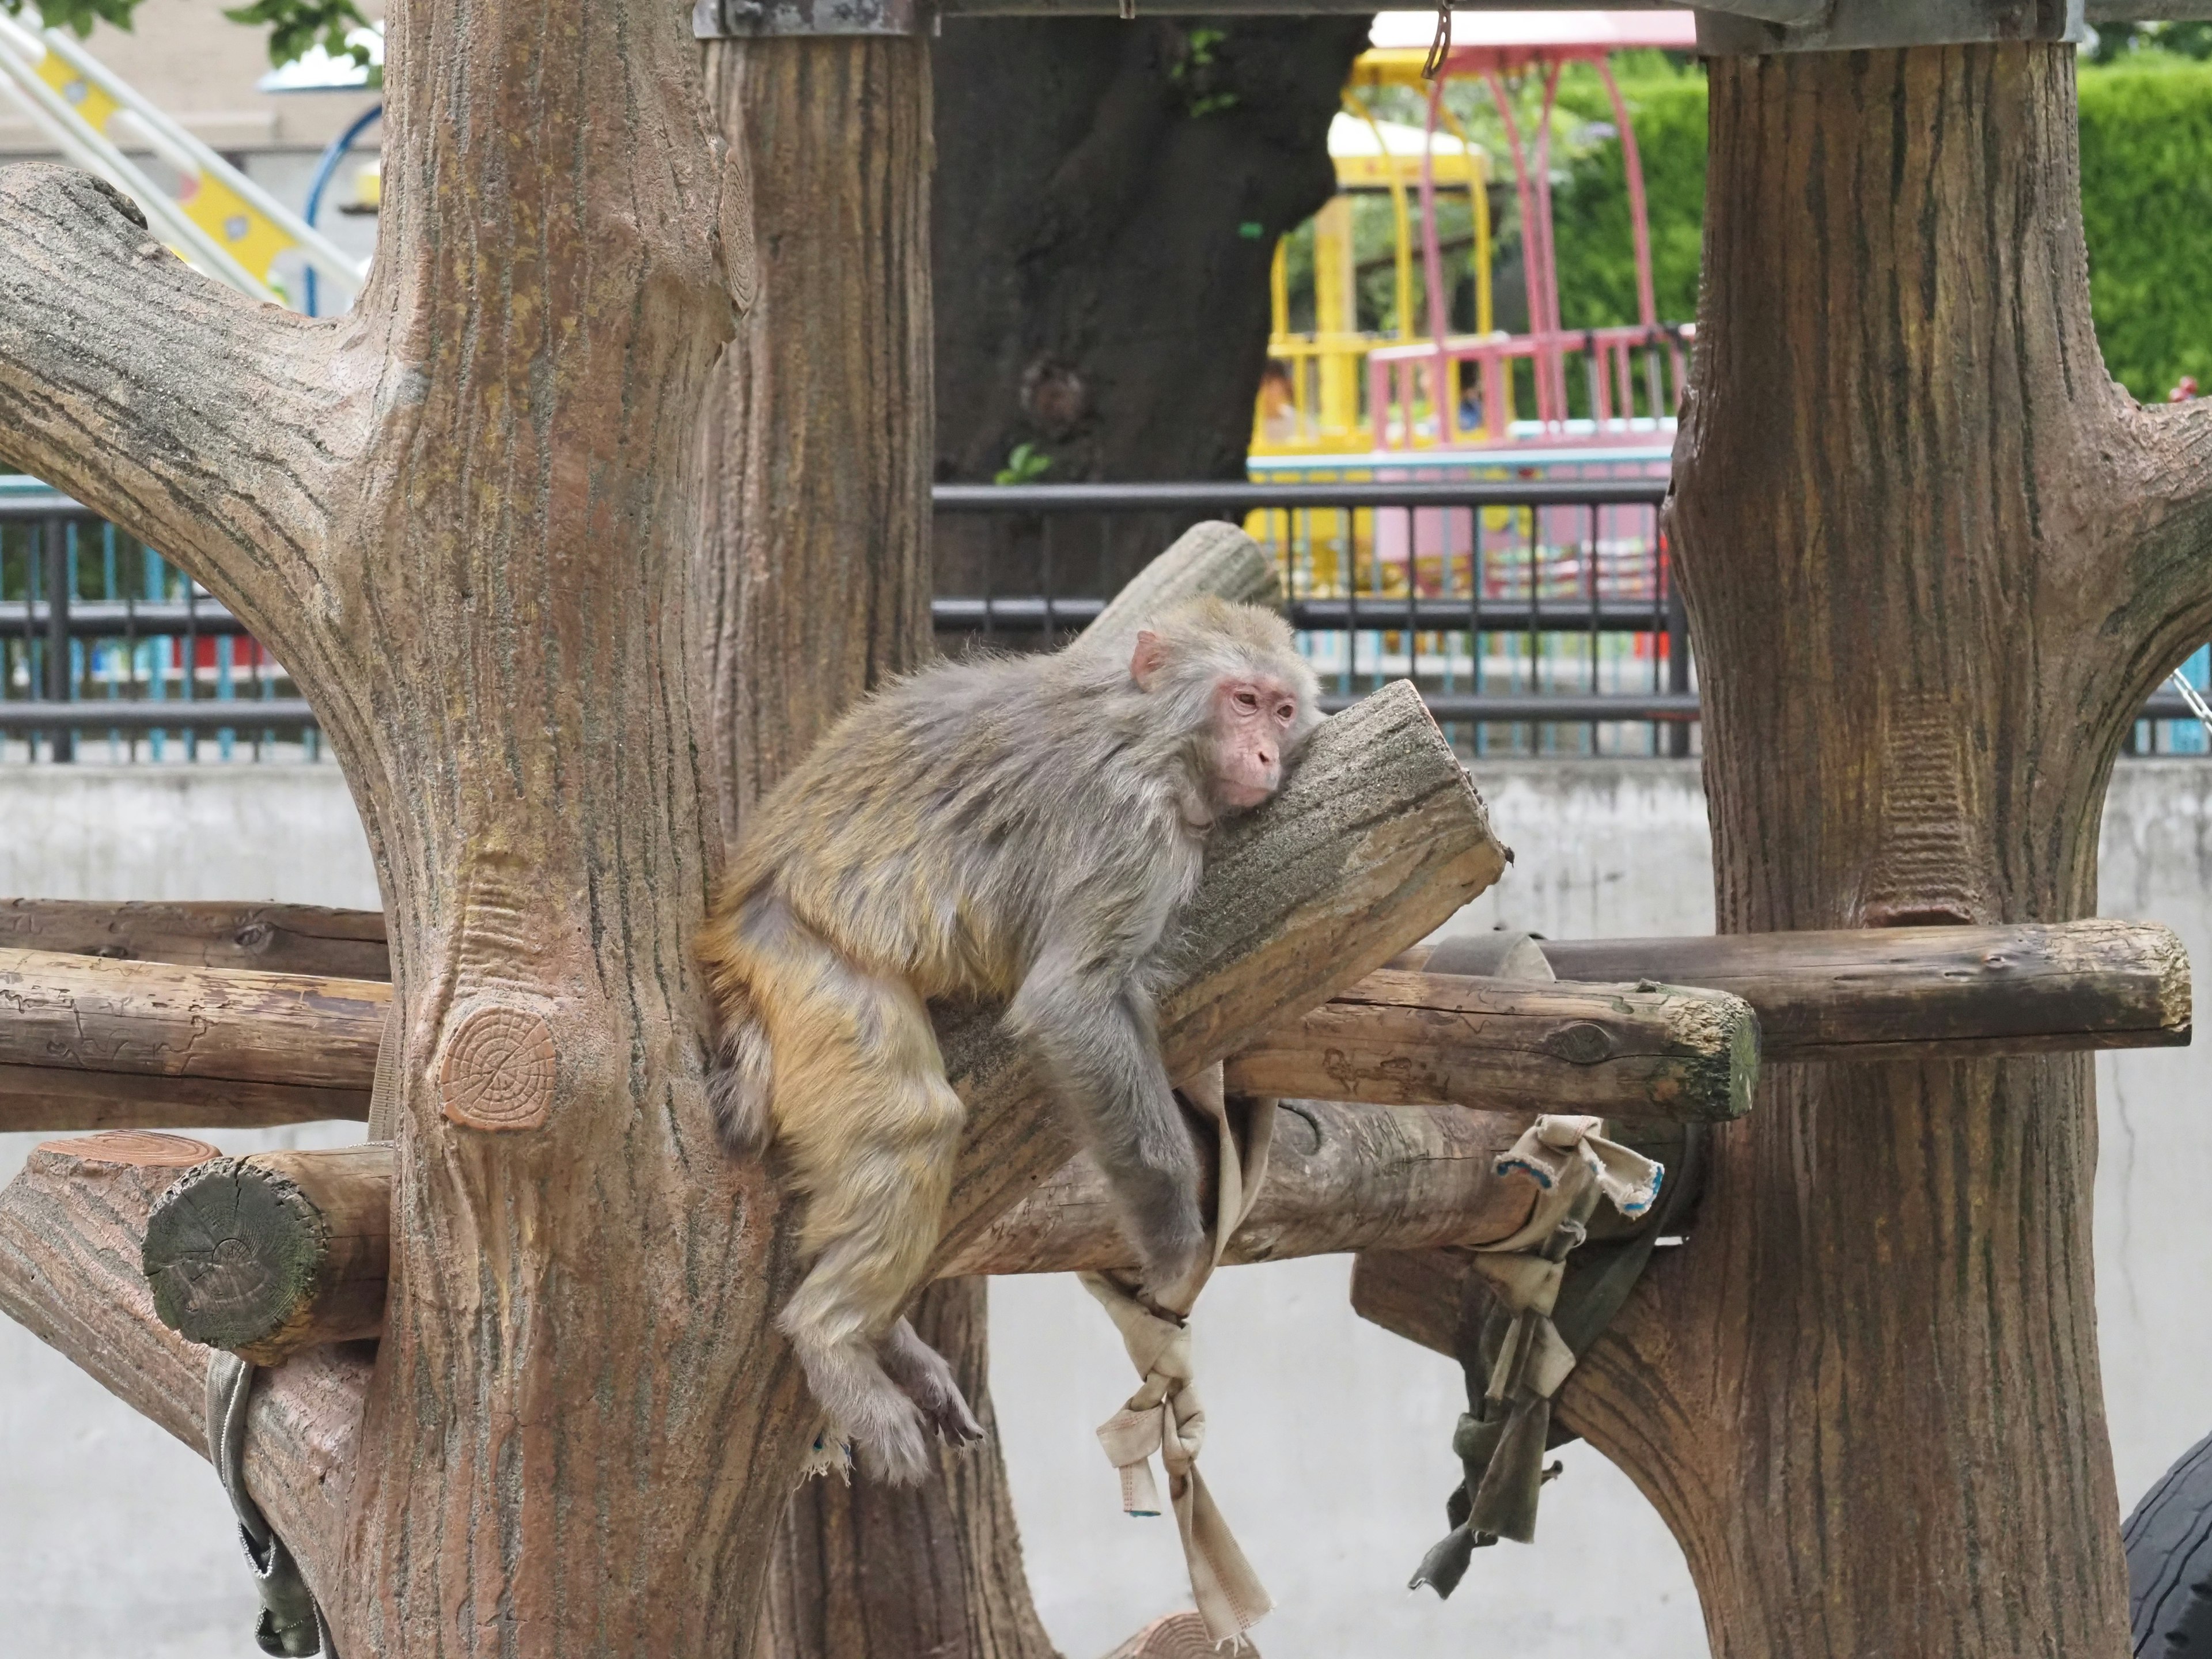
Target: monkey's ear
{"type": "Point", "coordinates": [1150, 657]}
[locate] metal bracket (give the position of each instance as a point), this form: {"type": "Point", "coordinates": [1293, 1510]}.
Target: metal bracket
{"type": "Point", "coordinates": [760, 19]}
{"type": "Point", "coordinates": [1855, 25]}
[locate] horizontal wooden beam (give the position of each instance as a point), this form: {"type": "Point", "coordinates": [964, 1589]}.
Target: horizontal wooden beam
{"type": "Point", "coordinates": [1339, 1177]}
{"type": "Point", "coordinates": [71, 1223]}
{"type": "Point", "coordinates": [88, 1044]}
{"type": "Point", "coordinates": [1404, 1039]}
{"type": "Point", "coordinates": [85, 1042]}
{"type": "Point", "coordinates": [1925, 993]}
{"type": "Point", "coordinates": [272, 1255]}
{"type": "Point", "coordinates": [281, 939]}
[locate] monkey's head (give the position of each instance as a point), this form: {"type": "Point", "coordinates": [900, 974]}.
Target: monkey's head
{"type": "Point", "coordinates": [1231, 682]}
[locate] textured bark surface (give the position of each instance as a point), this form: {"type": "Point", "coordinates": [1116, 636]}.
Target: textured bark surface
{"type": "Point", "coordinates": [1339, 1177]}
{"type": "Point", "coordinates": [812, 582]}
{"type": "Point", "coordinates": [70, 1224]}
{"type": "Point", "coordinates": [1903, 993]}
{"type": "Point", "coordinates": [1108, 199]}
{"type": "Point", "coordinates": [279, 939]}
{"type": "Point", "coordinates": [89, 1043]}
{"type": "Point", "coordinates": [1935, 559]}
{"type": "Point", "coordinates": [1501, 1045]}
{"type": "Point", "coordinates": [462, 516]}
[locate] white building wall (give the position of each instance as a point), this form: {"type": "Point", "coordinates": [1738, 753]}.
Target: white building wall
{"type": "Point", "coordinates": [1328, 1442]}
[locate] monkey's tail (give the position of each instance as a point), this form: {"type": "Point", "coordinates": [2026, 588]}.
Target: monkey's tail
{"type": "Point", "coordinates": [737, 1087]}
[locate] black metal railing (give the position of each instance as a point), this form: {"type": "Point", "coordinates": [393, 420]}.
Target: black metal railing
{"type": "Point", "coordinates": [1536, 617]}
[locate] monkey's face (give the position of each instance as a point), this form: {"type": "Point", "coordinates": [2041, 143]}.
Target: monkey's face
{"type": "Point", "coordinates": [1255, 719]}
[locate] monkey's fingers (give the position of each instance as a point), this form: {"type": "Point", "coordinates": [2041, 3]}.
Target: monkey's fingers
{"type": "Point", "coordinates": [955, 1423]}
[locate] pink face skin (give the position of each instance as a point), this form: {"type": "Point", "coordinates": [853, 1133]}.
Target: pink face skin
{"type": "Point", "coordinates": [1252, 718]}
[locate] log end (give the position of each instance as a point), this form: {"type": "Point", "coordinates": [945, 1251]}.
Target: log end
{"type": "Point", "coordinates": [1178, 1636]}
{"type": "Point", "coordinates": [234, 1254]}
{"type": "Point", "coordinates": [2176, 994]}
{"type": "Point", "coordinates": [1718, 1039]}
{"type": "Point", "coordinates": [129, 1148]}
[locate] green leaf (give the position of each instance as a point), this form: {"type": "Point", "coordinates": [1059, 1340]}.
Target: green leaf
{"type": "Point", "coordinates": [295, 26]}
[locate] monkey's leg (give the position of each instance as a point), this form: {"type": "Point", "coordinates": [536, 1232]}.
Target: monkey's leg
{"type": "Point", "coordinates": [730, 947]}
{"type": "Point", "coordinates": [921, 1371]}
{"type": "Point", "coordinates": [871, 1128]}
{"type": "Point", "coordinates": [1096, 1032]}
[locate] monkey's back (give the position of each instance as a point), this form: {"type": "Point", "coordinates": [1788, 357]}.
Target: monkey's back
{"type": "Point", "coordinates": [942, 820]}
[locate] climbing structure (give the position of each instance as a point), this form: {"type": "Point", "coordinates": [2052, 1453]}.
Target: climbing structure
{"type": "Point", "coordinates": [1934, 561]}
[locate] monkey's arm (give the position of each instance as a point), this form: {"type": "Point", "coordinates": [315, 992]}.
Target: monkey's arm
{"type": "Point", "coordinates": [1088, 1017]}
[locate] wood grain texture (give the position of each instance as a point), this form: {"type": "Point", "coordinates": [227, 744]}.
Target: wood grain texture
{"type": "Point", "coordinates": [91, 1043]}
{"type": "Point", "coordinates": [47, 1099]}
{"type": "Point", "coordinates": [1933, 556]}
{"type": "Point", "coordinates": [283, 938]}
{"type": "Point", "coordinates": [71, 1224]}
{"type": "Point", "coordinates": [273, 1254]}
{"type": "Point", "coordinates": [1912, 993]}
{"type": "Point", "coordinates": [1339, 1177]}
{"type": "Point", "coordinates": [1176, 1636]}
{"type": "Point", "coordinates": [1403, 1039]}
{"type": "Point", "coordinates": [1375, 839]}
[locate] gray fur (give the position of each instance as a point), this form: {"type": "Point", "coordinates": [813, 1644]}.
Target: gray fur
{"type": "Point", "coordinates": [1021, 828]}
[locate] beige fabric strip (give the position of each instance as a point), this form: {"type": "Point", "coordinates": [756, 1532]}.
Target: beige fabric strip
{"type": "Point", "coordinates": [1164, 1417]}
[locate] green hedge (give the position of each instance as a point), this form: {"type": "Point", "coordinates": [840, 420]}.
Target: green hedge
{"type": "Point", "coordinates": [2147, 206]}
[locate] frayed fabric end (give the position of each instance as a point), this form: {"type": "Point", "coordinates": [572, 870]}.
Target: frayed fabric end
{"type": "Point", "coordinates": [829, 1455]}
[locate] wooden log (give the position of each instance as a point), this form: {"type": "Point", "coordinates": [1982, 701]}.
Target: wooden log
{"type": "Point", "coordinates": [284, 938]}
{"type": "Point", "coordinates": [270, 1254]}
{"type": "Point", "coordinates": [70, 1227]}
{"type": "Point", "coordinates": [84, 1042]}
{"type": "Point", "coordinates": [1375, 839]}
{"type": "Point", "coordinates": [1415, 1294]}
{"type": "Point", "coordinates": [1339, 1177]}
{"type": "Point", "coordinates": [1176, 1636]}
{"type": "Point", "coordinates": [1926, 993]}
{"type": "Point", "coordinates": [275, 1253]}
{"type": "Point", "coordinates": [1211, 557]}
{"type": "Point", "coordinates": [1402, 1039]}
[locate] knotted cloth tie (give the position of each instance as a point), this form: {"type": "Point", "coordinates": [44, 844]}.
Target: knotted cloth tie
{"type": "Point", "coordinates": [1501, 1444]}
{"type": "Point", "coordinates": [1165, 1417]}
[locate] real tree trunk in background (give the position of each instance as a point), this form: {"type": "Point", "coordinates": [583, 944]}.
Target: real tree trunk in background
{"type": "Point", "coordinates": [813, 581]}
{"type": "Point", "coordinates": [1108, 199]}
{"type": "Point", "coordinates": [1934, 560]}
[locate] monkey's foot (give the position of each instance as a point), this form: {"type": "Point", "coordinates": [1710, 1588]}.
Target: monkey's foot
{"type": "Point", "coordinates": [850, 1383]}
{"type": "Point", "coordinates": [922, 1375]}
{"type": "Point", "coordinates": [892, 1446]}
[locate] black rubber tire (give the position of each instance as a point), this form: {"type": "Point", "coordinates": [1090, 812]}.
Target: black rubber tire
{"type": "Point", "coordinates": [2169, 1545]}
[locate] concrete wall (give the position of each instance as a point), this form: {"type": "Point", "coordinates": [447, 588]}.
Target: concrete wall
{"type": "Point", "coordinates": [1328, 1439]}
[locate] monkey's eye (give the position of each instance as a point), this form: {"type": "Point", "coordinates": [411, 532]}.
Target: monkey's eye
{"type": "Point", "coordinates": [1248, 702]}
{"type": "Point", "coordinates": [1286, 713]}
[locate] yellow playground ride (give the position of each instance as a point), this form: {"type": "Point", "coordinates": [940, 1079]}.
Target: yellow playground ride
{"type": "Point", "coordinates": [1430, 402]}
{"type": "Point", "coordinates": [214, 216]}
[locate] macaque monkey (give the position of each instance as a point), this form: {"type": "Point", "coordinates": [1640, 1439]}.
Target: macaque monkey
{"type": "Point", "coordinates": [1014, 828]}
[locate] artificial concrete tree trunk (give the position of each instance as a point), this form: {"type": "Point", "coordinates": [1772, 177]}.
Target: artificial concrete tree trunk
{"type": "Point", "coordinates": [465, 517]}
{"type": "Point", "coordinates": [1934, 560]}
{"type": "Point", "coordinates": [462, 516]}
{"type": "Point", "coordinates": [813, 580]}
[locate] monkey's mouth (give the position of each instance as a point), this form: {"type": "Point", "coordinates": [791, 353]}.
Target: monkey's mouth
{"type": "Point", "coordinates": [1245, 796]}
